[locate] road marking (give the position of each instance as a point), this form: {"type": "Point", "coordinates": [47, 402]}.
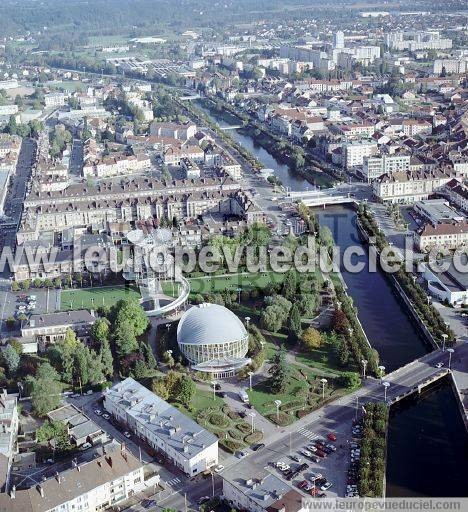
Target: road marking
{"type": "Point", "coordinates": [174, 481]}
{"type": "Point", "coordinates": [308, 433]}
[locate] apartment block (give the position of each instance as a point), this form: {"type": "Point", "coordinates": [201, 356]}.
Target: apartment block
{"type": "Point", "coordinates": [188, 445]}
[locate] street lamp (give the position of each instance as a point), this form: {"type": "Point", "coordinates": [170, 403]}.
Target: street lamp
{"type": "Point", "coordinates": [250, 380]}
{"type": "Point", "coordinates": [364, 366]}
{"type": "Point", "coordinates": [252, 415]}
{"type": "Point", "coordinates": [239, 294]}
{"type": "Point", "coordinates": [444, 340]}
{"type": "Point", "coordinates": [213, 382]}
{"type": "Point", "coordinates": [277, 403]}
{"type": "Point", "coordinates": [350, 330]}
{"type": "Point", "coordinates": [382, 372]}
{"type": "Point", "coordinates": [323, 381]}
{"type": "Point", "coordinates": [247, 320]}
{"type": "Point", "coordinates": [386, 385]}
{"type": "Point", "coordinates": [450, 351]}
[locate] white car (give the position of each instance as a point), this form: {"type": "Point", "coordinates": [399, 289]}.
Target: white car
{"type": "Point", "coordinates": [127, 434]}
{"type": "Point", "coordinates": [326, 486]}
{"type": "Point", "coordinates": [305, 452]}
{"type": "Point", "coordinates": [218, 468]}
{"type": "Point", "coordinates": [439, 365]}
{"type": "Point", "coordinates": [106, 416]}
{"type": "Point", "coordinates": [98, 412]}
{"type": "Point", "coordinates": [315, 476]}
{"type": "Point", "coordinates": [311, 448]}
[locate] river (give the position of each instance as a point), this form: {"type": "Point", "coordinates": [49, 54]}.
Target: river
{"type": "Point", "coordinates": [427, 441]}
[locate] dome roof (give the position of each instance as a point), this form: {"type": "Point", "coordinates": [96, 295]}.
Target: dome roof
{"type": "Point", "coordinates": [208, 324]}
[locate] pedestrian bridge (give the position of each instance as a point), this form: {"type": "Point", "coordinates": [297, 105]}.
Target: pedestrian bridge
{"type": "Point", "coordinates": [231, 127]}
{"type": "Point", "coordinates": [318, 197]}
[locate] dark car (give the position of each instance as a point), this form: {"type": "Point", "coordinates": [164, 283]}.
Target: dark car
{"type": "Point", "coordinates": [303, 467]}
{"type": "Point", "coordinates": [257, 446]}
{"type": "Point", "coordinates": [221, 394]}
{"type": "Point", "coordinates": [217, 386]}
{"type": "Point", "coordinates": [148, 503]}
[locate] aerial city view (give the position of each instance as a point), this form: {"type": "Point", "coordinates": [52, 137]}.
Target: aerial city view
{"type": "Point", "coordinates": [233, 255]}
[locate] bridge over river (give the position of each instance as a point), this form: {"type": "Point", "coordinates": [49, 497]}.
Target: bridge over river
{"type": "Point", "coordinates": [317, 198]}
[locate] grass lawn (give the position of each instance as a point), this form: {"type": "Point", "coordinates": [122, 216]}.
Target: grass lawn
{"type": "Point", "coordinates": [107, 40]}
{"type": "Point", "coordinates": [92, 298]}
{"type": "Point", "coordinates": [216, 284]}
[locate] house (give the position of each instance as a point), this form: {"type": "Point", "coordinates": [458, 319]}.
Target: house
{"type": "Point", "coordinates": [176, 131]}
{"type": "Point", "coordinates": [48, 328]}
{"type": "Point", "coordinates": [442, 236]}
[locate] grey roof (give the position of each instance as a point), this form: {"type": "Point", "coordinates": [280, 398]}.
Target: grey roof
{"type": "Point", "coordinates": [72, 483]}
{"type": "Point", "coordinates": [208, 324]}
{"type": "Point", "coordinates": [165, 421]}
{"type": "Point", "coordinates": [259, 485]}
{"type": "Point", "coordinates": [68, 318]}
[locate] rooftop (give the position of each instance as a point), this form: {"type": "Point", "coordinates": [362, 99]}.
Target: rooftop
{"type": "Point", "coordinates": [164, 420]}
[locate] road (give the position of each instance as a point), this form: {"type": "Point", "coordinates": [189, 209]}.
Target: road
{"type": "Point", "coordinates": [338, 418]}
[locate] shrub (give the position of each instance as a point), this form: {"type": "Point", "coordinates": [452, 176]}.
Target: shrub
{"type": "Point", "coordinates": [254, 437]}
{"type": "Point", "coordinates": [243, 427]}
{"type": "Point", "coordinates": [230, 445]}
{"type": "Point", "coordinates": [218, 420]}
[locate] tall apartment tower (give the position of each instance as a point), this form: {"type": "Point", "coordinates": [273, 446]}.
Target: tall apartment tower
{"type": "Point", "coordinates": [339, 39]}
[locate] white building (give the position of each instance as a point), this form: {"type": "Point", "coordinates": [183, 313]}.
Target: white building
{"type": "Point", "coordinates": [9, 424]}
{"type": "Point", "coordinates": [8, 84]}
{"type": "Point", "coordinates": [339, 40]}
{"type": "Point", "coordinates": [355, 152]}
{"type": "Point", "coordinates": [409, 186]}
{"type": "Point", "coordinates": [451, 65]}
{"type": "Point", "coordinates": [375, 166]}
{"type": "Point", "coordinates": [442, 236]}
{"type": "Point", "coordinates": [445, 282]}
{"type": "Point", "coordinates": [93, 486]}
{"type": "Point", "coordinates": [188, 445]}
{"type": "Point", "coordinates": [261, 492]}
{"type": "Point", "coordinates": [8, 110]}
{"type": "Point", "coordinates": [55, 99]}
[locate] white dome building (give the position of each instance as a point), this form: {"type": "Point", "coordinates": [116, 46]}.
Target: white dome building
{"type": "Point", "coordinates": [213, 340]}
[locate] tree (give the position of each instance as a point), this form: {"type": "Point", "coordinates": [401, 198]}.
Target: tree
{"type": "Point", "coordinates": [343, 353]}
{"type": "Point", "coordinates": [124, 337]}
{"type": "Point", "coordinates": [339, 322]}
{"type": "Point", "coordinates": [100, 331]}
{"type": "Point", "coordinates": [272, 318]}
{"type": "Point", "coordinates": [350, 380]}
{"type": "Point", "coordinates": [129, 310]}
{"type": "Point", "coordinates": [11, 359]}
{"type": "Point", "coordinates": [10, 322]}
{"type": "Point", "coordinates": [159, 387]}
{"type": "Point", "coordinates": [294, 321]}
{"type": "Point", "coordinates": [290, 284]}
{"type": "Point", "coordinates": [279, 371]}
{"type": "Point", "coordinates": [147, 353]}
{"type": "Point", "coordinates": [15, 287]}
{"type": "Point", "coordinates": [185, 390]}
{"type": "Point", "coordinates": [307, 304]}
{"type": "Point", "coordinates": [107, 360]}
{"type": "Point", "coordinates": [311, 339]}
{"type": "Point", "coordinates": [45, 394]}
{"type": "Point", "coordinates": [18, 346]}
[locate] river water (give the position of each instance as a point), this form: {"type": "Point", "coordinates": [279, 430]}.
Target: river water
{"type": "Point", "coordinates": [427, 441]}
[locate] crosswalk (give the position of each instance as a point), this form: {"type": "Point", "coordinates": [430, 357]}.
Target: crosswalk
{"type": "Point", "coordinates": [308, 433]}
{"type": "Point", "coordinates": [173, 482]}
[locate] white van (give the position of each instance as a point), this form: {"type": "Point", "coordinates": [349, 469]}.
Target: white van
{"type": "Point", "coordinates": [244, 396]}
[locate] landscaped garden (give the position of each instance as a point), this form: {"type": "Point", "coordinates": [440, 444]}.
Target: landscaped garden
{"type": "Point", "coordinates": [211, 412]}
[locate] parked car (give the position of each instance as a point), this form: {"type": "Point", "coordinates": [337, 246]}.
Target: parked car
{"type": "Point", "coordinates": [240, 454]}
{"type": "Point", "coordinates": [218, 468]}
{"type": "Point", "coordinates": [331, 436]}
{"type": "Point", "coordinates": [257, 446]}
{"type": "Point", "coordinates": [106, 416]}
{"type": "Point", "coordinates": [439, 365]}
{"type": "Point", "coordinates": [127, 434]}
{"type": "Point", "coordinates": [203, 500]}
{"type": "Point", "coordinates": [326, 486]}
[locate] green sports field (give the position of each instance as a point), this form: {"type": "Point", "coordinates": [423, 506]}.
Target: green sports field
{"type": "Point", "coordinates": [92, 298]}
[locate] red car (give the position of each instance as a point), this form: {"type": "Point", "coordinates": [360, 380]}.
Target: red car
{"type": "Point", "coordinates": [331, 436]}
{"type": "Point", "coordinates": [321, 454]}
{"type": "Point", "coordinates": [314, 491]}
{"type": "Point", "coordinates": [303, 484]}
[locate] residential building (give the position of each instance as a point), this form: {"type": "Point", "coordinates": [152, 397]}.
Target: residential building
{"type": "Point", "coordinates": [413, 127]}
{"type": "Point", "coordinates": [355, 152]}
{"type": "Point", "coordinates": [442, 236]}
{"type": "Point", "coordinates": [173, 130]}
{"type": "Point", "coordinates": [375, 166]}
{"type": "Point", "coordinates": [48, 328]}
{"type": "Point", "coordinates": [8, 84]}
{"type": "Point", "coordinates": [9, 424]}
{"type": "Point", "coordinates": [259, 493]}
{"type": "Point", "coordinates": [410, 186]}
{"type": "Point", "coordinates": [93, 486]}
{"type": "Point", "coordinates": [8, 110]}
{"type": "Point", "coordinates": [445, 282]}
{"type": "Point", "coordinates": [188, 445]}
{"type": "Point", "coordinates": [457, 193]}
{"type": "Point", "coordinates": [55, 99]}
{"type": "Point", "coordinates": [339, 40]}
